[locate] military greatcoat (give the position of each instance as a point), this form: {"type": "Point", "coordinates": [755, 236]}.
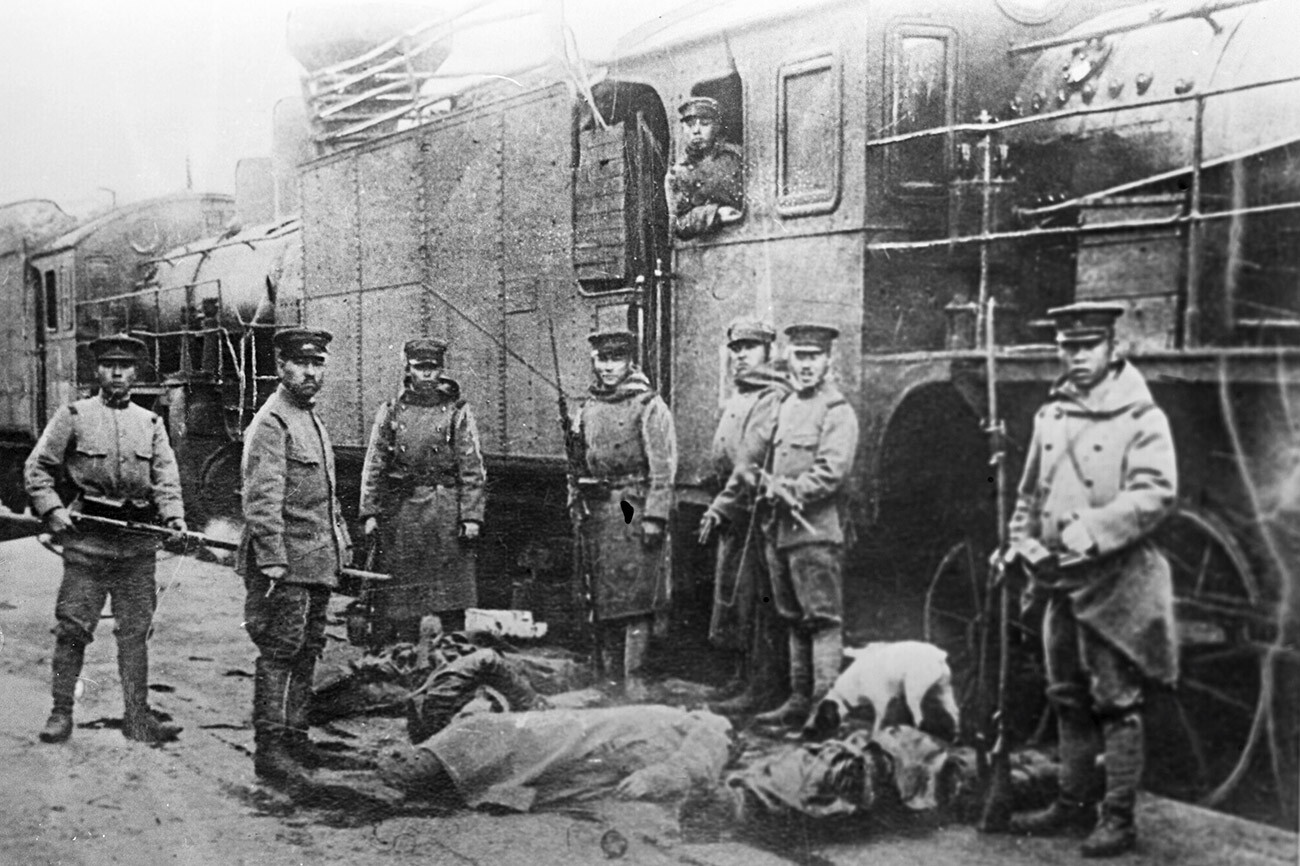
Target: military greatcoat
{"type": "Point", "coordinates": [698, 186]}
{"type": "Point", "coordinates": [423, 477]}
{"type": "Point", "coordinates": [1106, 459]}
{"type": "Point", "coordinates": [631, 456]}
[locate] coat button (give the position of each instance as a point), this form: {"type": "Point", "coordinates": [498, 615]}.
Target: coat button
{"type": "Point", "coordinates": [1047, 447]}
{"type": "Point", "coordinates": [1087, 482]}
{"type": "Point", "coordinates": [1097, 447]}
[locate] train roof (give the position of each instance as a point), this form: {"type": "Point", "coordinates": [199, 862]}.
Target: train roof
{"type": "Point", "coordinates": [74, 237]}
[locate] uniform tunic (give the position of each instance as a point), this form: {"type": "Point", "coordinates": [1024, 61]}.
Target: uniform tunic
{"type": "Point", "coordinates": [740, 570]}
{"type": "Point", "coordinates": [631, 456]}
{"type": "Point", "coordinates": [423, 476]}
{"type": "Point", "coordinates": [115, 454]}
{"type": "Point", "coordinates": [1106, 459]}
{"type": "Point", "coordinates": [697, 187]}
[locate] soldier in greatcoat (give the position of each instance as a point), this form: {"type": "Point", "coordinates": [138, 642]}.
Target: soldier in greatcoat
{"type": "Point", "coordinates": [630, 447]}
{"type": "Point", "coordinates": [800, 463]}
{"type": "Point", "coordinates": [1099, 478]}
{"type": "Point", "coordinates": [293, 546]}
{"type": "Point", "coordinates": [422, 491]}
{"type": "Point", "coordinates": [744, 618]}
{"type": "Point", "coordinates": [706, 190]}
{"type": "Point", "coordinates": [106, 456]}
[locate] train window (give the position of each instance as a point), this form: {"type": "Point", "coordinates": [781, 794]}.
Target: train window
{"type": "Point", "coordinates": [921, 73]}
{"type": "Point", "coordinates": [51, 301]}
{"type": "Point", "coordinates": [727, 91]}
{"type": "Point", "coordinates": [808, 144]}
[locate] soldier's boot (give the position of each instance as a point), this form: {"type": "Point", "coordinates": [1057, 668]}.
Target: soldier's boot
{"type": "Point", "coordinates": [68, 656]}
{"type": "Point", "coordinates": [297, 736]}
{"type": "Point", "coordinates": [273, 761]}
{"type": "Point", "coordinates": [636, 640]}
{"type": "Point", "coordinates": [1116, 832]}
{"type": "Point", "coordinates": [138, 721]}
{"type": "Point", "coordinates": [746, 701]}
{"type": "Point", "coordinates": [769, 661]}
{"type": "Point", "coordinates": [1074, 810]}
{"type": "Point", "coordinates": [795, 709]}
{"type": "Point", "coordinates": [827, 656]}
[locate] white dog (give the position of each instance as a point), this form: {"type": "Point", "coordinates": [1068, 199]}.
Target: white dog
{"type": "Point", "coordinates": [909, 670]}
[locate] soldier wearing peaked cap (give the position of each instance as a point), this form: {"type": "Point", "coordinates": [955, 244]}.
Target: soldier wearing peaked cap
{"type": "Point", "coordinates": [293, 546]}
{"type": "Point", "coordinates": [744, 619]}
{"type": "Point", "coordinates": [1099, 477]}
{"type": "Point", "coordinates": [706, 190]}
{"type": "Point", "coordinates": [809, 444]}
{"type": "Point", "coordinates": [630, 448]}
{"type": "Point", "coordinates": [120, 465]}
{"type": "Point", "coordinates": [422, 493]}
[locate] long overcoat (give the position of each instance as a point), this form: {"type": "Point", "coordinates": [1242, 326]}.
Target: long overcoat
{"type": "Point", "coordinates": [697, 186]}
{"type": "Point", "coordinates": [1106, 460]}
{"type": "Point", "coordinates": [423, 477]}
{"type": "Point", "coordinates": [631, 456]}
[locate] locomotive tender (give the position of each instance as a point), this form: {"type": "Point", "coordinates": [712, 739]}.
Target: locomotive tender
{"type": "Point", "coordinates": [912, 168]}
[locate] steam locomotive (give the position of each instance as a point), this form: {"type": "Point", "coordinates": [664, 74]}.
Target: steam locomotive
{"type": "Point", "coordinates": [925, 173]}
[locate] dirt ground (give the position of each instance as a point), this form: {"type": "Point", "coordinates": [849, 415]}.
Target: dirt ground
{"type": "Point", "coordinates": [102, 799]}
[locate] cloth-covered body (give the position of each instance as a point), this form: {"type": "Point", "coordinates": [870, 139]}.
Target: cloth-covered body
{"type": "Point", "coordinates": [1106, 460]}
{"type": "Point", "coordinates": [291, 512]}
{"type": "Point", "coordinates": [534, 760]}
{"type": "Point", "coordinates": [424, 477]}
{"type": "Point", "coordinates": [631, 456]}
{"type": "Point", "coordinates": [697, 186]}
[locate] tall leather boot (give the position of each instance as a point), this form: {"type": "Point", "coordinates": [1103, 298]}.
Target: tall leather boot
{"type": "Point", "coordinates": [1116, 832]}
{"type": "Point", "coordinates": [795, 709]}
{"type": "Point", "coordinates": [138, 721]}
{"type": "Point", "coordinates": [273, 760]}
{"type": "Point", "coordinates": [1074, 809]}
{"type": "Point", "coordinates": [636, 640]}
{"type": "Point", "coordinates": [68, 657]}
{"type": "Point", "coordinates": [297, 710]}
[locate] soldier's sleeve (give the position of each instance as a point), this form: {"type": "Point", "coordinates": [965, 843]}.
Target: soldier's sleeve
{"type": "Point", "coordinates": [265, 472]}
{"type": "Point", "coordinates": [378, 451]}
{"type": "Point", "coordinates": [751, 455]}
{"type": "Point", "coordinates": [834, 459]}
{"type": "Point", "coordinates": [733, 185]}
{"type": "Point", "coordinates": [44, 466]}
{"type": "Point", "coordinates": [688, 222]}
{"type": "Point", "coordinates": [164, 476]}
{"type": "Point", "coordinates": [470, 468]}
{"type": "Point", "coordinates": [1024, 523]}
{"type": "Point", "coordinates": [1148, 490]}
{"type": "Point", "coordinates": [660, 439]}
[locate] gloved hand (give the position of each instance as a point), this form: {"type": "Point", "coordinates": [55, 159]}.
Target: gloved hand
{"type": "Point", "coordinates": [59, 521]}
{"type": "Point", "coordinates": [178, 528]}
{"type": "Point", "coordinates": [652, 533]}
{"type": "Point", "coordinates": [1077, 540]}
{"type": "Point", "coordinates": [371, 526]}
{"type": "Point", "coordinates": [469, 529]}
{"type": "Point", "coordinates": [708, 523]}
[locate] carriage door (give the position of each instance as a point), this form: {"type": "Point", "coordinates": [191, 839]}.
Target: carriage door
{"type": "Point", "coordinates": [648, 215]}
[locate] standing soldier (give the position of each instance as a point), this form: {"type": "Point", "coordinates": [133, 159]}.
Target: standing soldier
{"type": "Point", "coordinates": [744, 619]}
{"type": "Point", "coordinates": [115, 460]}
{"type": "Point", "coordinates": [293, 546]}
{"type": "Point", "coordinates": [1099, 478]}
{"type": "Point", "coordinates": [706, 190]}
{"type": "Point", "coordinates": [422, 491]}
{"type": "Point", "coordinates": [623, 502]}
{"type": "Point", "coordinates": [811, 452]}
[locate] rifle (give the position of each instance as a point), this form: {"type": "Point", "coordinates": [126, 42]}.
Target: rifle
{"type": "Point", "coordinates": [996, 817]}
{"type": "Point", "coordinates": [27, 521]}
{"type": "Point", "coordinates": [575, 463]}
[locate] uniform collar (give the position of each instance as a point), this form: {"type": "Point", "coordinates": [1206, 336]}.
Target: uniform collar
{"type": "Point", "coordinates": [1122, 389]}
{"type": "Point", "coordinates": [115, 404]}
{"type": "Point", "coordinates": [635, 383]}
{"type": "Point", "coordinates": [293, 400]}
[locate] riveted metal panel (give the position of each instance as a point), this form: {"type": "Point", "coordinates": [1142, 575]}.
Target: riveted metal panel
{"type": "Point", "coordinates": [339, 402]}
{"type": "Point", "coordinates": [329, 235]}
{"type": "Point", "coordinates": [388, 192]}
{"type": "Point", "coordinates": [389, 317]}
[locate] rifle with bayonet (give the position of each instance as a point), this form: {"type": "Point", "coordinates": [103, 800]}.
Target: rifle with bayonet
{"type": "Point", "coordinates": [575, 464]}
{"type": "Point", "coordinates": [188, 537]}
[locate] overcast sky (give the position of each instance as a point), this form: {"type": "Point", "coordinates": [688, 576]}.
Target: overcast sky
{"type": "Point", "coordinates": [118, 93]}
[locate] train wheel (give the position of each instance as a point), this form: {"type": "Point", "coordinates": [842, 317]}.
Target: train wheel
{"type": "Point", "coordinates": [1199, 731]}
{"type": "Point", "coordinates": [955, 621]}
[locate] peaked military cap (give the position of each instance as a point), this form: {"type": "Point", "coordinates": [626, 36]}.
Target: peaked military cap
{"type": "Point", "coordinates": [751, 329]}
{"type": "Point", "coordinates": [615, 342]}
{"type": "Point", "coordinates": [699, 106]}
{"type": "Point", "coordinates": [812, 335]}
{"type": "Point", "coordinates": [118, 347]}
{"type": "Point", "coordinates": [303, 343]}
{"type": "Point", "coordinates": [1085, 322]}
{"type": "Point", "coordinates": [425, 349]}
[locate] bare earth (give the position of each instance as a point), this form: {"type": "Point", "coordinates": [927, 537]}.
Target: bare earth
{"type": "Point", "coordinates": [102, 799]}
